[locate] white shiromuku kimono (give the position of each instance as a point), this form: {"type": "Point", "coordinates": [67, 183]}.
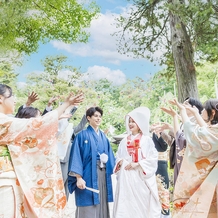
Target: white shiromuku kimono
{"type": "Point", "coordinates": [136, 192]}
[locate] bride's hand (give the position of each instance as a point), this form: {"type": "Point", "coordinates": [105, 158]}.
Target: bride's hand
{"type": "Point", "coordinates": [131, 166]}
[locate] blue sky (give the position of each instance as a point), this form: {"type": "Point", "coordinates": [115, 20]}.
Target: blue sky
{"type": "Point", "coordinates": [99, 57]}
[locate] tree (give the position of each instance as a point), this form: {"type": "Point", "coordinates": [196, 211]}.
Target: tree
{"type": "Point", "coordinates": [26, 23]}
{"type": "Point", "coordinates": [56, 69]}
{"type": "Point", "coordinates": [207, 80]}
{"type": "Point", "coordinates": [56, 79]}
{"type": "Point", "coordinates": [7, 74]}
{"type": "Point", "coordinates": [180, 29]}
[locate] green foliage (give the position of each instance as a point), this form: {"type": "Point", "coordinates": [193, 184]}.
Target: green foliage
{"type": "Point", "coordinates": [207, 77]}
{"type": "Point", "coordinates": [7, 74]}
{"type": "Point", "coordinates": [26, 23]}
{"type": "Point", "coordinates": [147, 26]}
{"type": "Point", "coordinates": [116, 101]}
{"type": "Point", "coordinates": [54, 81]}
{"type": "Point", "coordinates": [158, 91]}
{"type": "Point", "coordinates": [200, 17]}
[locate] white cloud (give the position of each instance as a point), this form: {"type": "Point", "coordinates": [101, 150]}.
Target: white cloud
{"type": "Point", "coordinates": [21, 85]}
{"type": "Point", "coordinates": [101, 44]}
{"type": "Point", "coordinates": [117, 77]}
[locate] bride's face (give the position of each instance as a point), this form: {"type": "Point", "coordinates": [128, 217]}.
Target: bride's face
{"type": "Point", "coordinates": [133, 126]}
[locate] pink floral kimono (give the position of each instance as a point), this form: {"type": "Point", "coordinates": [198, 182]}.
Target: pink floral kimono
{"type": "Point", "coordinates": [31, 183]}
{"type": "Point", "coordinates": [195, 193]}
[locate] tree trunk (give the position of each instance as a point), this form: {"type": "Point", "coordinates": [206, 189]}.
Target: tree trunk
{"type": "Point", "coordinates": [183, 58]}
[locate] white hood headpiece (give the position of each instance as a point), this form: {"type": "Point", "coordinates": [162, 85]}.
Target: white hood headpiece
{"type": "Point", "coordinates": [141, 116]}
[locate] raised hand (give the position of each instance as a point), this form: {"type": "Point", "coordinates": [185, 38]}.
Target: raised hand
{"type": "Point", "coordinates": [193, 109]}
{"type": "Point", "coordinates": [162, 126]}
{"type": "Point", "coordinates": [70, 100]}
{"type": "Point", "coordinates": [176, 103]}
{"type": "Point", "coordinates": [169, 111]}
{"type": "Point", "coordinates": [52, 100]}
{"type": "Point", "coordinates": [155, 127]}
{"type": "Point", "coordinates": [75, 99]}
{"type": "Point", "coordinates": [32, 97]}
{"type": "Point", "coordinates": [166, 126]}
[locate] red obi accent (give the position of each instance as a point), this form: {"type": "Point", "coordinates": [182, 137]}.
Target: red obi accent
{"type": "Point", "coordinates": [133, 147]}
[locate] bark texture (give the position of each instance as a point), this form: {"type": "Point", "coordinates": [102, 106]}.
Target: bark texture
{"type": "Point", "coordinates": [183, 58]}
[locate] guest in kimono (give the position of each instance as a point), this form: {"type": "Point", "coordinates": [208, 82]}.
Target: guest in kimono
{"type": "Point", "coordinates": [136, 163]}
{"type": "Point", "coordinates": [66, 133]}
{"type": "Point", "coordinates": [178, 148]}
{"type": "Point", "coordinates": [195, 193]}
{"type": "Point", "coordinates": [31, 183]}
{"type": "Point", "coordinates": [91, 166]}
{"type": "Point", "coordinates": [162, 173]}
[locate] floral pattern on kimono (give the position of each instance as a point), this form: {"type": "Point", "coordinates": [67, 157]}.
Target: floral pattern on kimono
{"type": "Point", "coordinates": [163, 193]}
{"type": "Point", "coordinates": [33, 151]}
{"type": "Point", "coordinates": [195, 190]}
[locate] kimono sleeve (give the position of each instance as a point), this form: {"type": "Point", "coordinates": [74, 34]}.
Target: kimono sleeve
{"type": "Point", "coordinates": [180, 139]}
{"type": "Point", "coordinates": [11, 127]}
{"type": "Point", "coordinates": [159, 142]}
{"type": "Point", "coordinates": [75, 164]}
{"type": "Point", "coordinates": [120, 154]}
{"type": "Point", "coordinates": [149, 162]}
{"type": "Point", "coordinates": [202, 138]}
